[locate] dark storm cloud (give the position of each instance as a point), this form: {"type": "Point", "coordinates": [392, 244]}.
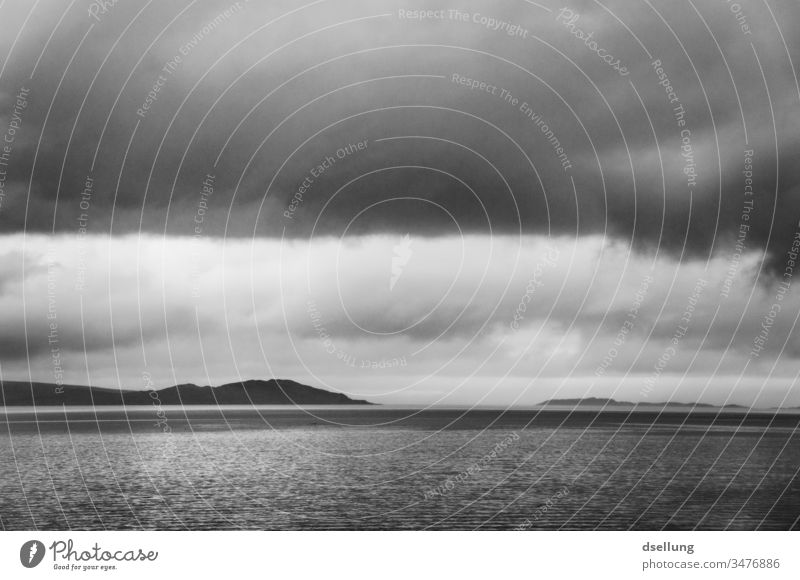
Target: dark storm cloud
{"type": "Point", "coordinates": [476, 161]}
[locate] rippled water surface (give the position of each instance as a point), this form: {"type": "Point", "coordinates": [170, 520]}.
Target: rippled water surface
{"type": "Point", "coordinates": [369, 469]}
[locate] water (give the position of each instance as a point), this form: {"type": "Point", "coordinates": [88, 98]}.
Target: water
{"type": "Point", "coordinates": [379, 468]}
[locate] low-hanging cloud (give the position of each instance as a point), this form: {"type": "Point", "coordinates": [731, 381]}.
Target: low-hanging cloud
{"type": "Point", "coordinates": [465, 126]}
{"type": "Point", "coordinates": [519, 307]}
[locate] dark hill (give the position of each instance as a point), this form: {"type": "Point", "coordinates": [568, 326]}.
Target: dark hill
{"type": "Point", "coordinates": [271, 392]}
{"type": "Point", "coordinates": [586, 401]}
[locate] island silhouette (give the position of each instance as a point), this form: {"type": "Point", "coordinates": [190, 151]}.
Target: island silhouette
{"type": "Point", "coordinates": [596, 401]}
{"type": "Point", "coordinates": [250, 392]}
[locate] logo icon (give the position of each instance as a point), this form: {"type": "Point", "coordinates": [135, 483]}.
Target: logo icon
{"type": "Point", "coordinates": [402, 254]}
{"type": "Point", "coordinates": [31, 553]}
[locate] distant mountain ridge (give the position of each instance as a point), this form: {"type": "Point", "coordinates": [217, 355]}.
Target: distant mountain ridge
{"type": "Point", "coordinates": [595, 401]}
{"type": "Point", "coordinates": [251, 392]}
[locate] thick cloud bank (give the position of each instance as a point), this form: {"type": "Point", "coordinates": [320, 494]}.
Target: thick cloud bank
{"type": "Point", "coordinates": [400, 319]}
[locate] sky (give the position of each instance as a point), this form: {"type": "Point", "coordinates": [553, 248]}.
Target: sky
{"type": "Point", "coordinates": [409, 202]}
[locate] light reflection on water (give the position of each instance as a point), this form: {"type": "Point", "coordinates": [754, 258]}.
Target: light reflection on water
{"type": "Point", "coordinates": [244, 474]}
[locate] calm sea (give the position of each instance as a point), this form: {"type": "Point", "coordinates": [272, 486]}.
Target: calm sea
{"type": "Point", "coordinates": [393, 468]}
